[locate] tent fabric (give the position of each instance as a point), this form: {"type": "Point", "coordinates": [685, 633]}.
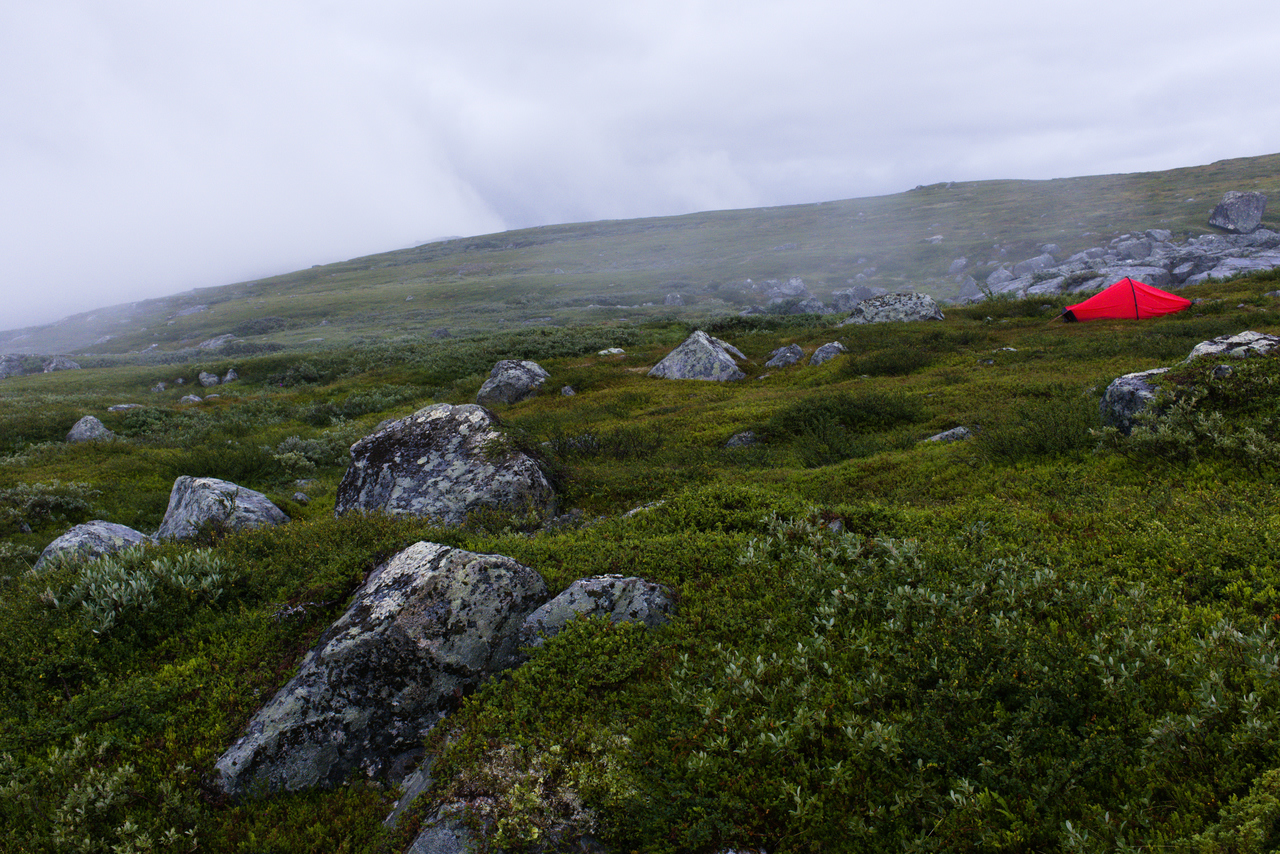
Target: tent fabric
{"type": "Point", "coordinates": [1126, 299]}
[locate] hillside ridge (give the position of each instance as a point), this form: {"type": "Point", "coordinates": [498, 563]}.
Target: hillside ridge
{"type": "Point", "coordinates": [622, 270]}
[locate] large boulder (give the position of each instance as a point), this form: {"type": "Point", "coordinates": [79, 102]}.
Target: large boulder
{"type": "Point", "coordinates": [894, 308]}
{"type": "Point", "coordinates": [203, 503]}
{"type": "Point", "coordinates": [1128, 397]}
{"type": "Point", "coordinates": [426, 628]}
{"type": "Point", "coordinates": [90, 541]}
{"type": "Point", "coordinates": [701, 357]}
{"type": "Point", "coordinates": [442, 462]}
{"type": "Point", "coordinates": [511, 381]}
{"type": "Point", "coordinates": [612, 597]}
{"type": "Point", "coordinates": [1239, 212]}
{"type": "Point", "coordinates": [89, 429]}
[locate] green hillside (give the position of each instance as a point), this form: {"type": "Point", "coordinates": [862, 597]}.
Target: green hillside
{"type": "Point", "coordinates": [553, 275]}
{"type": "Point", "coordinates": [1048, 637]}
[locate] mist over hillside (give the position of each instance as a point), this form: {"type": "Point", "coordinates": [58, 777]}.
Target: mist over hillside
{"type": "Point", "coordinates": [930, 239]}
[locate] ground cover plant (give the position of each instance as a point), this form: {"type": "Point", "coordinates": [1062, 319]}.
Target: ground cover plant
{"type": "Point", "coordinates": [1050, 637]}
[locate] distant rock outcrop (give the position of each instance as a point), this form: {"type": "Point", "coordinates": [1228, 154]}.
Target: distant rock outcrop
{"type": "Point", "coordinates": [844, 300]}
{"type": "Point", "coordinates": [701, 357]}
{"type": "Point", "coordinates": [1150, 257]}
{"type": "Point", "coordinates": [426, 628]}
{"type": "Point", "coordinates": [202, 503]}
{"type": "Point", "coordinates": [442, 462]}
{"type": "Point", "coordinates": [1239, 212]}
{"type": "Point", "coordinates": [612, 597]}
{"type": "Point", "coordinates": [511, 381]}
{"type": "Point", "coordinates": [60, 363]}
{"type": "Point", "coordinates": [89, 429]}
{"type": "Point", "coordinates": [90, 541]}
{"type": "Point", "coordinates": [894, 308]}
{"type": "Point", "coordinates": [11, 366]}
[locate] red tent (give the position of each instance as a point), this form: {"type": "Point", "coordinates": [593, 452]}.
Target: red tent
{"type": "Point", "coordinates": [1126, 299]}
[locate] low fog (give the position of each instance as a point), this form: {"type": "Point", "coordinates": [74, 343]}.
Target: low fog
{"type": "Point", "coordinates": [147, 148]}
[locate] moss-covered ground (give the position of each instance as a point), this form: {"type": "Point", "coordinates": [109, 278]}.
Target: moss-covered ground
{"type": "Point", "coordinates": [1046, 638]}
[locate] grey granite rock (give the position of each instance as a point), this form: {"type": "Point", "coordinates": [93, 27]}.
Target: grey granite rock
{"type": "Point", "coordinates": [89, 429]}
{"type": "Point", "coordinates": [442, 462]}
{"type": "Point", "coordinates": [91, 540]}
{"type": "Point", "coordinates": [429, 626]}
{"type": "Point", "coordinates": [200, 503]}
{"type": "Point", "coordinates": [511, 381]}
{"type": "Point", "coordinates": [701, 357]}
{"type": "Point", "coordinates": [612, 597]}
{"type": "Point", "coordinates": [894, 308]}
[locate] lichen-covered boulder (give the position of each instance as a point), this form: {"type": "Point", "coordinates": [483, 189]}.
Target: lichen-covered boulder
{"type": "Point", "coordinates": [207, 379]}
{"type": "Point", "coordinates": [701, 357]}
{"type": "Point", "coordinates": [89, 429]}
{"type": "Point", "coordinates": [511, 381]}
{"type": "Point", "coordinates": [785, 356]}
{"type": "Point", "coordinates": [60, 363]}
{"type": "Point", "coordinates": [429, 626]}
{"type": "Point", "coordinates": [90, 541]}
{"type": "Point", "coordinates": [613, 597]}
{"type": "Point", "coordinates": [1127, 397]}
{"type": "Point", "coordinates": [827, 352]}
{"type": "Point", "coordinates": [894, 308]}
{"type": "Point", "coordinates": [201, 503]}
{"type": "Point", "coordinates": [442, 462]}
{"type": "Point", "coordinates": [1239, 212]}
{"type": "Point", "coordinates": [1239, 346]}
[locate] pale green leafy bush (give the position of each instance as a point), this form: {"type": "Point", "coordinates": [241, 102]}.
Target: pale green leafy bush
{"type": "Point", "coordinates": [79, 800]}
{"type": "Point", "coordinates": [125, 583]}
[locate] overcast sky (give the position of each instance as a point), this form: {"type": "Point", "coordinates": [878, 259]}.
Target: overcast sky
{"type": "Point", "coordinates": [152, 146]}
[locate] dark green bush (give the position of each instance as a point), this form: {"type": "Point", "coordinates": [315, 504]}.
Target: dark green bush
{"type": "Point", "coordinates": [259, 326]}
{"type": "Point", "coordinates": [1058, 422]}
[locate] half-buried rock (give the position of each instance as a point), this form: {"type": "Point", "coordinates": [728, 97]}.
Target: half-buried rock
{"type": "Point", "coordinates": [701, 357]}
{"type": "Point", "coordinates": [90, 541]}
{"type": "Point", "coordinates": [511, 381]}
{"type": "Point", "coordinates": [442, 462]}
{"type": "Point", "coordinates": [617, 599]}
{"type": "Point", "coordinates": [206, 503]}
{"type": "Point", "coordinates": [427, 627]}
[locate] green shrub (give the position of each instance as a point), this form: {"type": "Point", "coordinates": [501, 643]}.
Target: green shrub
{"type": "Point", "coordinates": [79, 799]}
{"type": "Point", "coordinates": [828, 428]}
{"type": "Point", "coordinates": [126, 584]}
{"type": "Point", "coordinates": [30, 505]}
{"type": "Point", "coordinates": [1063, 421]}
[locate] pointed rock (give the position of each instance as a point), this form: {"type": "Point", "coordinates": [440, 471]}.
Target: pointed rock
{"type": "Point", "coordinates": [701, 357]}
{"type": "Point", "coordinates": [442, 462]}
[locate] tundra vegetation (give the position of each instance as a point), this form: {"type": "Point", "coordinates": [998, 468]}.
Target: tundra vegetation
{"type": "Point", "coordinates": [1050, 637]}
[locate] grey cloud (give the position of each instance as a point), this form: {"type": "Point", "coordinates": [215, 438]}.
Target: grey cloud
{"type": "Point", "coordinates": [147, 148]}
